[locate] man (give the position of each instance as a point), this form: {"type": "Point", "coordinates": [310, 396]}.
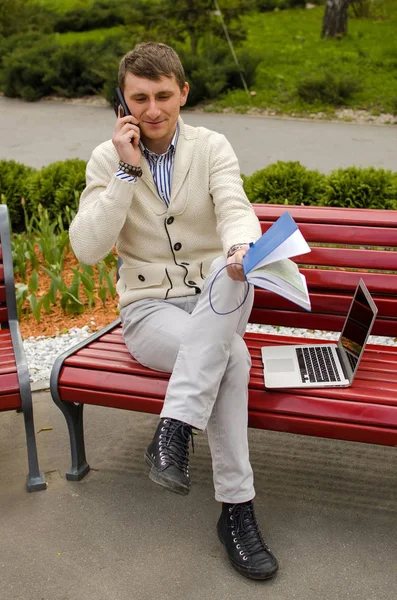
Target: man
{"type": "Point", "coordinates": [170, 197]}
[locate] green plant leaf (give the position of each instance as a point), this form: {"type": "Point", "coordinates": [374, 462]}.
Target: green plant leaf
{"type": "Point", "coordinates": [34, 282]}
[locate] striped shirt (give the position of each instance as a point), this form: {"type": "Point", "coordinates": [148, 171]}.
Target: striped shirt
{"type": "Point", "coordinates": [161, 167]}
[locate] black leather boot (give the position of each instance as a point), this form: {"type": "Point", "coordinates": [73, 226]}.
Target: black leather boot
{"type": "Point", "coordinates": [238, 530]}
{"type": "Point", "coordinates": [168, 456]}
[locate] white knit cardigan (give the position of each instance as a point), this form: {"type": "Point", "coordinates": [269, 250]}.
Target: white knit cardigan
{"type": "Point", "coordinates": [166, 252]}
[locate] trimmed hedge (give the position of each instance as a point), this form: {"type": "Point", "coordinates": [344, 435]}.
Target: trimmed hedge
{"type": "Point", "coordinates": [285, 183]}
{"type": "Point", "coordinates": [55, 187]}
{"type": "Point", "coordinates": [353, 187]}
{"type": "Point", "coordinates": [58, 186]}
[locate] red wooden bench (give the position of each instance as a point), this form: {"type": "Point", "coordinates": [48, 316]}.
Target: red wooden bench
{"type": "Point", "coordinates": [101, 371]}
{"type": "Point", "coordinates": [15, 392]}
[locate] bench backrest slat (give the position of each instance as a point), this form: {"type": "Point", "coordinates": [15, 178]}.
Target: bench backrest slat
{"type": "Point", "coordinates": [345, 234]}
{"type": "Point", "coordinates": [3, 304]}
{"type": "Point", "coordinates": [384, 260]}
{"type": "Point", "coordinates": [337, 269]}
{"type": "Point", "coordinates": [321, 214]}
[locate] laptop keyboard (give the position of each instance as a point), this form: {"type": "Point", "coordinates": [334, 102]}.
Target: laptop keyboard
{"type": "Point", "coordinates": [317, 365]}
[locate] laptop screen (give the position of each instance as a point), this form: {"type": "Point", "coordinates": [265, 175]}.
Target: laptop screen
{"type": "Point", "coordinates": [357, 327]}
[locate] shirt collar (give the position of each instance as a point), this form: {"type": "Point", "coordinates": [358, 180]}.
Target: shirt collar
{"type": "Point", "coordinates": [171, 148]}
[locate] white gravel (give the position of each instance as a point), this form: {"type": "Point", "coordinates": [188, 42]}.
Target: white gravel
{"type": "Point", "coordinates": [42, 351]}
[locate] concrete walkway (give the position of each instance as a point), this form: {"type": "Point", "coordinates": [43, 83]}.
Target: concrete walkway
{"type": "Point", "coordinates": [39, 133]}
{"type": "Point", "coordinates": [327, 508]}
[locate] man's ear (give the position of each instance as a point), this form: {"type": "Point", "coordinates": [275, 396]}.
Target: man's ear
{"type": "Point", "coordinates": [184, 94]}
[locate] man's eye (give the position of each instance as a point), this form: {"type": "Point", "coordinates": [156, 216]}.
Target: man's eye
{"type": "Point", "coordinates": [164, 97]}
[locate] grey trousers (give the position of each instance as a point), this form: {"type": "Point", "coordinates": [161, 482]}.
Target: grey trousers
{"type": "Point", "coordinates": [210, 366]}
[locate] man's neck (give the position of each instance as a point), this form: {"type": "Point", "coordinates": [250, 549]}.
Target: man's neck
{"type": "Point", "coordinates": [157, 146]}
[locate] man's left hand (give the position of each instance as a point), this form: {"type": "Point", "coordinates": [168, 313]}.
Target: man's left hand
{"type": "Point", "coordinates": [236, 271]}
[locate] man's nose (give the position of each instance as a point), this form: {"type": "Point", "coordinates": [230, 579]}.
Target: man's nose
{"type": "Point", "coordinates": [153, 111]}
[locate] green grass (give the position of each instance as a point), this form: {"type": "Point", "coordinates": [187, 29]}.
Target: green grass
{"type": "Point", "coordinates": [291, 49]}
{"type": "Point", "coordinates": [62, 6]}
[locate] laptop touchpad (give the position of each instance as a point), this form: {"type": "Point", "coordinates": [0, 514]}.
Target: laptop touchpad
{"type": "Point", "coordinates": [280, 365]}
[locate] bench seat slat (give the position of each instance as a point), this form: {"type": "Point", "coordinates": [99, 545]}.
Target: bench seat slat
{"type": "Point", "coordinates": [5, 370]}
{"type": "Point", "coordinates": [111, 381]}
{"type": "Point", "coordinates": [131, 401]}
{"type": "Point", "coordinates": [120, 349]}
{"type": "Point", "coordinates": [9, 384]}
{"type": "Point", "coordinates": [6, 359]}
{"type": "Point", "coordinates": [10, 402]}
{"type": "Point", "coordinates": [97, 354]}
{"type": "Point", "coordinates": [271, 402]}
{"type": "Point", "coordinates": [353, 432]}
{"type": "Point", "coordinates": [114, 337]}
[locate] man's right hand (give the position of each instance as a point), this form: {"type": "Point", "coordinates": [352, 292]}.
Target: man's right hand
{"type": "Point", "coordinates": [126, 139]}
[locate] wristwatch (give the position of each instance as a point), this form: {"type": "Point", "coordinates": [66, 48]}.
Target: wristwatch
{"type": "Point", "coordinates": [234, 249]}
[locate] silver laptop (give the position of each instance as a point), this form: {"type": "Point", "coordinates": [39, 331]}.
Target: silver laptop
{"type": "Point", "coordinates": [324, 365]}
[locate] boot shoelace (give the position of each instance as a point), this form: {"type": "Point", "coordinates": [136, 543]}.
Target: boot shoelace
{"type": "Point", "coordinates": [246, 530]}
{"type": "Point", "coordinates": [174, 444]}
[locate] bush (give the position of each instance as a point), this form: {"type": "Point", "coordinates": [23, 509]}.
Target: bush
{"type": "Point", "coordinates": [25, 69]}
{"type": "Point", "coordinates": [43, 67]}
{"type": "Point", "coordinates": [328, 88]}
{"type": "Point", "coordinates": [73, 71]}
{"type": "Point", "coordinates": [101, 14]}
{"type": "Point", "coordinates": [55, 187]}
{"type": "Point", "coordinates": [214, 71]}
{"type": "Point", "coordinates": [285, 183]}
{"type": "Point", "coordinates": [13, 180]}
{"type": "Point", "coordinates": [361, 188]}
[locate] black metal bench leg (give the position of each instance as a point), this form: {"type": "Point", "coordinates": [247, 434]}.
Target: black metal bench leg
{"type": "Point", "coordinates": [35, 479]}
{"type": "Point", "coordinates": [74, 419]}
{"type": "Point", "coordinates": [74, 411]}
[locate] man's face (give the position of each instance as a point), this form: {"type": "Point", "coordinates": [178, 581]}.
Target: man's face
{"type": "Point", "coordinates": [156, 105]}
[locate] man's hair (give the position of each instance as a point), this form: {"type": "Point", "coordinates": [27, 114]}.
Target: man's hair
{"type": "Point", "coordinates": [152, 60]}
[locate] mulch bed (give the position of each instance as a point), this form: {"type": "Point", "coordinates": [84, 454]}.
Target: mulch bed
{"type": "Point", "coordinates": [56, 321]}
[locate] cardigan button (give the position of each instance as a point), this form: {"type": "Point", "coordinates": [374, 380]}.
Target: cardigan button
{"type": "Point", "coordinates": [177, 246]}
{"type": "Point", "coordinates": [141, 278]}
{"type": "Point", "coordinates": [170, 220]}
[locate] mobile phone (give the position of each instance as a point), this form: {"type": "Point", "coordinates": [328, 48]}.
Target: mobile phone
{"type": "Point", "coordinates": [120, 101]}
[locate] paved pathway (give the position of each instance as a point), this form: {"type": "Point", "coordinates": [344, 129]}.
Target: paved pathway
{"type": "Point", "coordinates": [327, 508]}
{"type": "Point", "coordinates": [43, 132]}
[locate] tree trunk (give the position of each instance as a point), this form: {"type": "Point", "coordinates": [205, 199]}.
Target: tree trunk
{"type": "Point", "coordinates": [335, 18]}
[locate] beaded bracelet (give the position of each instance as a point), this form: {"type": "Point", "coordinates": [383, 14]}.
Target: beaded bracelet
{"type": "Point", "coordinates": [130, 169]}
